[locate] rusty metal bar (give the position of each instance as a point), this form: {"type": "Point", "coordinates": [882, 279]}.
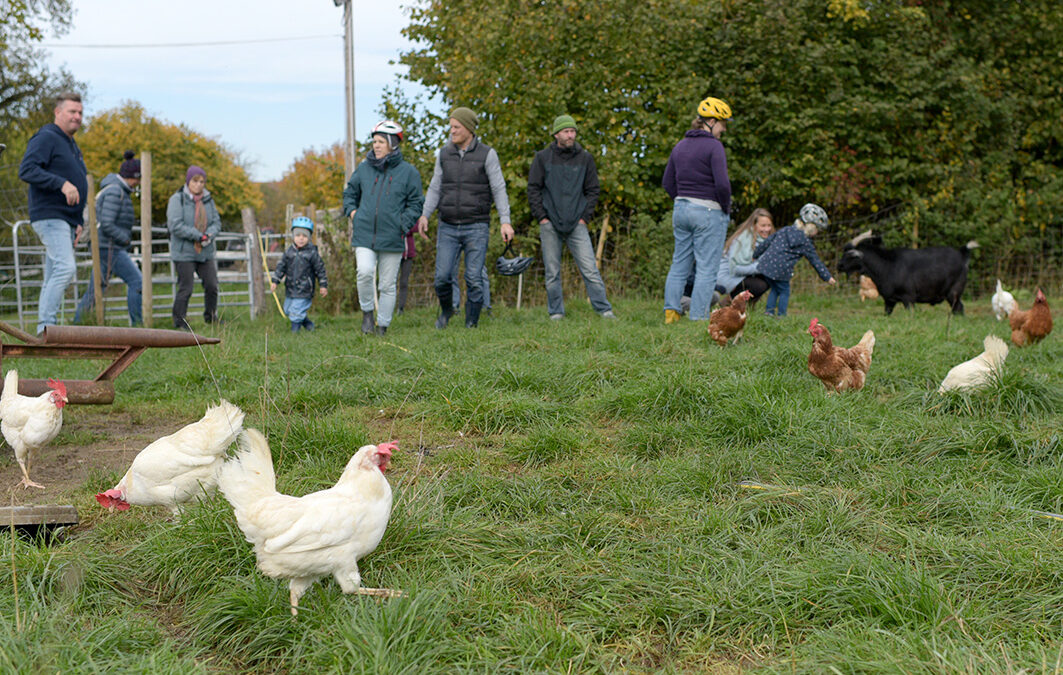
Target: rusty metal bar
{"type": "Point", "coordinates": [44, 352]}
{"type": "Point", "coordinates": [77, 391]}
{"type": "Point", "coordinates": [20, 334]}
{"type": "Point", "coordinates": [114, 336]}
{"type": "Point", "coordinates": [121, 363]}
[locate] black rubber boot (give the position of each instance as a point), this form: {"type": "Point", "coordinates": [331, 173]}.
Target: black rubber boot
{"type": "Point", "coordinates": [446, 310]}
{"type": "Point", "coordinates": [367, 322]}
{"type": "Point", "coordinates": [472, 314]}
{"type": "Point", "coordinates": [381, 330]}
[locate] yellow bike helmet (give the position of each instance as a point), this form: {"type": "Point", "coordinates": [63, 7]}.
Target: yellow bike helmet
{"type": "Point", "coordinates": [715, 108]}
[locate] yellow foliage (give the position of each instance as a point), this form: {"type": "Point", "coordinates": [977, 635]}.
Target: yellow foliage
{"type": "Point", "coordinates": [173, 149]}
{"type": "Point", "coordinates": [849, 10]}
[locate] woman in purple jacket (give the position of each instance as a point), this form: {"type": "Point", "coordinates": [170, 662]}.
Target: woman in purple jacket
{"type": "Point", "coordinates": [696, 179]}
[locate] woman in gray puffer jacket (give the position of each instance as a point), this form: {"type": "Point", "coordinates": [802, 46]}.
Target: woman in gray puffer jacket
{"type": "Point", "coordinates": [194, 223]}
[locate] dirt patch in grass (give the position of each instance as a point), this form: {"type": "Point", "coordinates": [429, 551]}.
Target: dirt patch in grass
{"type": "Point", "coordinates": [94, 442]}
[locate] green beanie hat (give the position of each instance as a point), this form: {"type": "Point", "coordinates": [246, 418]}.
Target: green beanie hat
{"type": "Point", "coordinates": [563, 122]}
{"type": "Point", "coordinates": [466, 117]}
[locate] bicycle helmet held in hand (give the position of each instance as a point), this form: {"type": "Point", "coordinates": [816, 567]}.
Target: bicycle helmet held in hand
{"type": "Point", "coordinates": [511, 267]}
{"type": "Point", "coordinates": [814, 214]}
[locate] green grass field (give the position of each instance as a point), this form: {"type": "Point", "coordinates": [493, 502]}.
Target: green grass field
{"type": "Point", "coordinates": [569, 498]}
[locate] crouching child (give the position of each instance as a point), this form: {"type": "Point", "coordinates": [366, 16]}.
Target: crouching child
{"type": "Point", "coordinates": [299, 269]}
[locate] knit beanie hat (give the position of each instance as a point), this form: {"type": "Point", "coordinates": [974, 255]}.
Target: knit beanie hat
{"type": "Point", "coordinates": [194, 171]}
{"type": "Point", "coordinates": [130, 167]}
{"type": "Point", "coordinates": [563, 122]}
{"type": "Point", "coordinates": [466, 117]}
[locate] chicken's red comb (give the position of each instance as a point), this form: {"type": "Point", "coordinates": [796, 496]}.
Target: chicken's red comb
{"type": "Point", "coordinates": [814, 323]}
{"type": "Point", "coordinates": [388, 447]}
{"type": "Point", "coordinates": [58, 386]}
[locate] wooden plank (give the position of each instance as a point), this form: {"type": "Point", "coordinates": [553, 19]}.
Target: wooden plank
{"type": "Point", "coordinates": [39, 514]}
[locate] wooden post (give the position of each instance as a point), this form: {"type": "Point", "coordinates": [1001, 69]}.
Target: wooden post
{"type": "Point", "coordinates": [96, 280]}
{"type": "Point", "coordinates": [601, 240]}
{"type": "Point", "coordinates": [258, 283]}
{"type": "Point", "coordinates": [145, 236]}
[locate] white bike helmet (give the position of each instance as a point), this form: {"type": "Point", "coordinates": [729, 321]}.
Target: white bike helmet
{"type": "Point", "coordinates": [814, 215]}
{"type": "Point", "coordinates": [391, 131]}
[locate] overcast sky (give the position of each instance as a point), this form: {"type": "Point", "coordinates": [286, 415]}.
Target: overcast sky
{"type": "Point", "coordinates": [270, 100]}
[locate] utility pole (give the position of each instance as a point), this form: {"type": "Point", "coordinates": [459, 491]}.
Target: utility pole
{"type": "Point", "coordinates": [350, 156]}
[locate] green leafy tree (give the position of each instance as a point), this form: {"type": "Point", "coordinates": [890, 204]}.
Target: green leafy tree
{"type": "Point", "coordinates": [941, 121]}
{"type": "Point", "coordinates": [173, 148]}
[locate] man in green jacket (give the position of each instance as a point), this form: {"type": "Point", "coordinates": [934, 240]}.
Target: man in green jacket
{"type": "Point", "coordinates": [562, 193]}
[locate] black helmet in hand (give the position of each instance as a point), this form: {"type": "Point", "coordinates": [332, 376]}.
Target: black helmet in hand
{"type": "Point", "coordinates": [511, 267]}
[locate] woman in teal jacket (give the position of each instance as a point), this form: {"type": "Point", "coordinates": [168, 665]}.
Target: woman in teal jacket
{"type": "Point", "coordinates": [382, 201]}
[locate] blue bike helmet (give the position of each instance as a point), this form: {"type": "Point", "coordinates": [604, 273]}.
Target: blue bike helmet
{"type": "Point", "coordinates": [303, 222]}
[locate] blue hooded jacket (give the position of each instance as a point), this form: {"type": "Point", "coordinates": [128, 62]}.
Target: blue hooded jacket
{"type": "Point", "coordinates": [53, 158]}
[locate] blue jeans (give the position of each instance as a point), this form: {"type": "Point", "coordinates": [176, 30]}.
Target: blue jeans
{"type": "Point", "coordinates": [699, 236]}
{"type": "Point", "coordinates": [59, 267]}
{"type": "Point", "coordinates": [579, 245]}
{"type": "Point", "coordinates": [386, 267]}
{"type": "Point", "coordinates": [116, 261]}
{"type": "Point", "coordinates": [450, 242]}
{"type": "Point", "coordinates": [456, 289]}
{"type": "Point", "coordinates": [780, 295]}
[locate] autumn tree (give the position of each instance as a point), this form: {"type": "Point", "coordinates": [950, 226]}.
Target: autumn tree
{"type": "Point", "coordinates": [317, 177]}
{"type": "Point", "coordinates": [173, 148]}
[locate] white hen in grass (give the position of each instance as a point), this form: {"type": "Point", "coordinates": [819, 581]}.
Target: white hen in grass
{"type": "Point", "coordinates": [1003, 302]}
{"type": "Point", "coordinates": [303, 539]}
{"type": "Point", "coordinates": [980, 370]}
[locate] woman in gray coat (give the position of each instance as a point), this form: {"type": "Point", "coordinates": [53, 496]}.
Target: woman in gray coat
{"type": "Point", "coordinates": [194, 223]}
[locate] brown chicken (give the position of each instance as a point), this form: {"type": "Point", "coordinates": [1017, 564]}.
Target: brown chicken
{"type": "Point", "coordinates": [868, 289]}
{"type": "Point", "coordinates": [1033, 325]}
{"type": "Point", "coordinates": [839, 369]}
{"type": "Point", "coordinates": [728, 322]}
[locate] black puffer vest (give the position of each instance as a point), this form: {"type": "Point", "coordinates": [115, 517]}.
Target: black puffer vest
{"type": "Point", "coordinates": [465, 192]}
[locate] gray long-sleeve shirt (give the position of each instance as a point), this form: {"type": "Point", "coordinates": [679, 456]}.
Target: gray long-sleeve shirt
{"type": "Point", "coordinates": [492, 166]}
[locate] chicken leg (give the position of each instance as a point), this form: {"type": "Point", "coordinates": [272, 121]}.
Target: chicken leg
{"type": "Point", "coordinates": [26, 483]}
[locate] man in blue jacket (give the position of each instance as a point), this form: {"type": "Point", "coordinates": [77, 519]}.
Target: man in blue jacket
{"type": "Point", "coordinates": [562, 193]}
{"type": "Point", "coordinates": [57, 179]}
{"type": "Point", "coordinates": [115, 214]}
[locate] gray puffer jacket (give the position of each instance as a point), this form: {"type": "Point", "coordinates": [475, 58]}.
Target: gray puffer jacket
{"type": "Point", "coordinates": [181, 220]}
{"type": "Point", "coordinates": [114, 212]}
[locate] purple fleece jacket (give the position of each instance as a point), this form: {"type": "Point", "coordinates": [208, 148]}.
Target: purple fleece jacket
{"type": "Point", "coordinates": [697, 168]}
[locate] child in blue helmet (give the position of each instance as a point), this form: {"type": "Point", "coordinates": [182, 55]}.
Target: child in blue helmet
{"type": "Point", "coordinates": [300, 268]}
{"type": "Point", "coordinates": [777, 255]}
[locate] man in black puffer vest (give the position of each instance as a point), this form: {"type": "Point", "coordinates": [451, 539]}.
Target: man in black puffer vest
{"type": "Point", "coordinates": [467, 177]}
{"type": "Point", "coordinates": [562, 193]}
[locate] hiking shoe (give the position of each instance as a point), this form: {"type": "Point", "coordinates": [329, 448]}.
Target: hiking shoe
{"type": "Point", "coordinates": [671, 316]}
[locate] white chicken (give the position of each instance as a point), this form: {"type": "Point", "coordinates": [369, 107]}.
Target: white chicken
{"type": "Point", "coordinates": [30, 423]}
{"type": "Point", "coordinates": [978, 371]}
{"type": "Point", "coordinates": [1003, 302]}
{"type": "Point", "coordinates": [177, 468]}
{"type": "Point", "coordinates": [304, 539]}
